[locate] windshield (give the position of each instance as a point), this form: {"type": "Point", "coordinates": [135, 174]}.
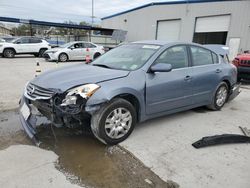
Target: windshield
{"type": "Point", "coordinates": [127, 57]}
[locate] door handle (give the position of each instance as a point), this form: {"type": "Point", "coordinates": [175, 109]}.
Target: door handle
{"type": "Point", "coordinates": [218, 71]}
{"type": "Point", "coordinates": [187, 78]}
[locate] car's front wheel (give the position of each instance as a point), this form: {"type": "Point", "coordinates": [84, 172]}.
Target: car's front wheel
{"type": "Point", "coordinates": [41, 52]}
{"type": "Point", "coordinates": [9, 53]}
{"type": "Point", "coordinates": [114, 122]}
{"type": "Point", "coordinates": [220, 97]}
{"type": "Point", "coordinates": [63, 57]}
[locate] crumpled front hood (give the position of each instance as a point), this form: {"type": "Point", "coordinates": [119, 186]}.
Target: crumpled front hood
{"type": "Point", "coordinates": [70, 76]}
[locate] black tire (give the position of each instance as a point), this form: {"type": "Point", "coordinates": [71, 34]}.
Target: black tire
{"type": "Point", "coordinates": [238, 79]}
{"type": "Point", "coordinates": [63, 57]}
{"type": "Point", "coordinates": [41, 52]}
{"type": "Point", "coordinates": [218, 105]}
{"type": "Point", "coordinates": [96, 55]}
{"type": "Point", "coordinates": [99, 118]}
{"type": "Point", "coordinates": [9, 53]}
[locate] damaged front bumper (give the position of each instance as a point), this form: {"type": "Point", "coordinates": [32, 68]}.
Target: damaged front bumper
{"type": "Point", "coordinates": [25, 118]}
{"type": "Point", "coordinates": [33, 111]}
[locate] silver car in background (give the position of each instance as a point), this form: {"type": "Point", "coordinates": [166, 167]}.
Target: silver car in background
{"type": "Point", "coordinates": [77, 50]}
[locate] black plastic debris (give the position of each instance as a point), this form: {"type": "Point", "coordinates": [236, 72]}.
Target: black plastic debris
{"type": "Point", "coordinates": [221, 139]}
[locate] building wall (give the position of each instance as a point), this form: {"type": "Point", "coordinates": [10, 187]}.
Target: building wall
{"type": "Point", "coordinates": [4, 31]}
{"type": "Point", "coordinates": [141, 24]}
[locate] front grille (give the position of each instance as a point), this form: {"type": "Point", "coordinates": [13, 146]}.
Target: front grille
{"type": "Point", "coordinates": [34, 92]}
{"type": "Point", "coordinates": [245, 62]}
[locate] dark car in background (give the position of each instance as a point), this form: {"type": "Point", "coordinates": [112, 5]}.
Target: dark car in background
{"type": "Point", "coordinates": [130, 84]}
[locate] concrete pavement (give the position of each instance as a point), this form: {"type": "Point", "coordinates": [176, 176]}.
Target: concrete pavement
{"type": "Point", "coordinates": [164, 145]}
{"type": "Point", "coordinates": [26, 166]}
{"type": "Point", "coordinates": [16, 72]}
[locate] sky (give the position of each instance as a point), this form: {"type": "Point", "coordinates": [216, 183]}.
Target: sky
{"type": "Point", "coordinates": [65, 10]}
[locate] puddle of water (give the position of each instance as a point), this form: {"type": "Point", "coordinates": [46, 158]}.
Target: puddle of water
{"type": "Point", "coordinates": [10, 130]}
{"type": "Point", "coordinates": [82, 156]}
{"type": "Point", "coordinates": [95, 164]}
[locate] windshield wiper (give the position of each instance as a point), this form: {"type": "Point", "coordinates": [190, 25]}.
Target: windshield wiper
{"type": "Point", "coordinates": [102, 65]}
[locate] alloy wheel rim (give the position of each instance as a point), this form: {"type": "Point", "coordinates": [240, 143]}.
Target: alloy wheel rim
{"type": "Point", "coordinates": [221, 96]}
{"type": "Point", "coordinates": [9, 53]}
{"type": "Point", "coordinates": [63, 57]}
{"type": "Point", "coordinates": [118, 123]}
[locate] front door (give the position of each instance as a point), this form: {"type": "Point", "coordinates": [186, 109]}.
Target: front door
{"type": "Point", "coordinates": [170, 90]}
{"type": "Point", "coordinates": [22, 45]}
{"type": "Point", "coordinates": [76, 52]}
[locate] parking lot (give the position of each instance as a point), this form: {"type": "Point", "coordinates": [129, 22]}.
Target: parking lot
{"type": "Point", "coordinates": [163, 145]}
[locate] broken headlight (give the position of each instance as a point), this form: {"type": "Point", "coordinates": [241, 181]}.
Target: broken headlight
{"type": "Point", "coordinates": [84, 91]}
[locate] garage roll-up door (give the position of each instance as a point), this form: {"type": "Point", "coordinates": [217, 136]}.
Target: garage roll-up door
{"type": "Point", "coordinates": [168, 30]}
{"type": "Point", "coordinates": [212, 24]}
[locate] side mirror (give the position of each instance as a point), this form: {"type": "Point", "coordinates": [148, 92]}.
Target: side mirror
{"type": "Point", "coordinates": [161, 67]}
{"type": "Point", "coordinates": [18, 42]}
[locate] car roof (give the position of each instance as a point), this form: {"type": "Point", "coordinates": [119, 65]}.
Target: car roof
{"type": "Point", "coordinates": [219, 49]}
{"type": "Point", "coordinates": [163, 43]}
{"type": "Point", "coordinates": [79, 41]}
{"type": "Point", "coordinates": [172, 43]}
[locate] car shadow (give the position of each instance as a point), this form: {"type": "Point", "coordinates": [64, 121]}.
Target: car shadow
{"type": "Point", "coordinates": [68, 61]}
{"type": "Point", "coordinates": [22, 57]}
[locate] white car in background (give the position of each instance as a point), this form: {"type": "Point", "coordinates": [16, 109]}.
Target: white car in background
{"type": "Point", "coordinates": [77, 50]}
{"type": "Point", "coordinates": [24, 45]}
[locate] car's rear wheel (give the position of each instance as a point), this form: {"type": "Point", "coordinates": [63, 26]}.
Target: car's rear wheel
{"type": "Point", "coordinates": [114, 122]}
{"type": "Point", "coordinates": [63, 57]}
{"type": "Point", "coordinates": [9, 53]}
{"type": "Point", "coordinates": [220, 97]}
{"type": "Point", "coordinates": [41, 52]}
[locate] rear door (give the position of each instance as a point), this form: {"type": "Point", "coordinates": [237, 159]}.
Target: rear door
{"type": "Point", "coordinates": [35, 44]}
{"type": "Point", "coordinates": [170, 90]}
{"type": "Point", "coordinates": [206, 74]}
{"type": "Point", "coordinates": [91, 49]}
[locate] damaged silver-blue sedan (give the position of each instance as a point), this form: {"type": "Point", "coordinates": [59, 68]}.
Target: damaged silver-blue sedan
{"type": "Point", "coordinates": [130, 84]}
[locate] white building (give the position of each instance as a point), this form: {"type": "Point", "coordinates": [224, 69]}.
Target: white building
{"type": "Point", "coordinates": [4, 30]}
{"type": "Point", "coordinates": [201, 21]}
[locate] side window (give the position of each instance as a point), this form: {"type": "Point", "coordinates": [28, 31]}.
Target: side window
{"type": "Point", "coordinates": [201, 56]}
{"type": "Point", "coordinates": [35, 40]}
{"type": "Point", "coordinates": [78, 45]}
{"type": "Point", "coordinates": [23, 41]}
{"type": "Point", "coordinates": [176, 56]}
{"type": "Point", "coordinates": [89, 45]}
{"type": "Point", "coordinates": [215, 58]}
